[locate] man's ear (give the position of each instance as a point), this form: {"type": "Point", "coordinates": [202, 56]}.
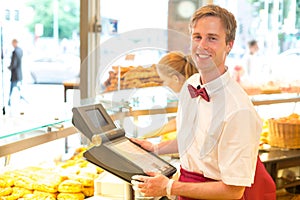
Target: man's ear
{"type": "Point", "coordinates": [229, 46]}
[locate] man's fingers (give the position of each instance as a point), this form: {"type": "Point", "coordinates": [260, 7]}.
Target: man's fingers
{"type": "Point", "coordinates": [152, 174]}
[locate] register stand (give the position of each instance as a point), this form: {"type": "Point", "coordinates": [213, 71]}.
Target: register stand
{"type": "Point", "coordinates": [111, 149]}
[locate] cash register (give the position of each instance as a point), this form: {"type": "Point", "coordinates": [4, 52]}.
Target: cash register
{"type": "Point", "coordinates": [112, 150]}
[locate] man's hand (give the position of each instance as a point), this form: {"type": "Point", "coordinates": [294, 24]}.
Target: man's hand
{"type": "Point", "coordinates": [144, 144]}
{"type": "Point", "coordinates": [153, 185]}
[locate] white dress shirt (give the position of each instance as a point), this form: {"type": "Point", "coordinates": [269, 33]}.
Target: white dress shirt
{"type": "Point", "coordinates": [219, 138]}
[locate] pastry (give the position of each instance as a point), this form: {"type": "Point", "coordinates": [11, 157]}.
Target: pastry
{"type": "Point", "coordinates": [37, 197]}
{"type": "Point", "coordinates": [88, 191]}
{"type": "Point", "coordinates": [70, 196]}
{"type": "Point", "coordinates": [17, 193]}
{"type": "Point", "coordinates": [45, 185]}
{"type": "Point", "coordinates": [5, 191]}
{"type": "Point", "coordinates": [70, 186]}
{"type": "Point", "coordinates": [41, 193]}
{"type": "Point", "coordinates": [85, 181]}
{"type": "Point", "coordinates": [6, 181]}
{"type": "Point", "coordinates": [24, 182]}
{"type": "Point", "coordinates": [10, 197]}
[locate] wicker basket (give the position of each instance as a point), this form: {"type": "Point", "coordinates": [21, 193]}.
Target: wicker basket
{"type": "Point", "coordinates": [284, 135]}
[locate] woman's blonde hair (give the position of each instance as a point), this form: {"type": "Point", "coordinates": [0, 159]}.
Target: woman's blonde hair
{"type": "Point", "coordinates": [176, 63]}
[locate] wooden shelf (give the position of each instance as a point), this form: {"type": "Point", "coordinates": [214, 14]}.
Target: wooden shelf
{"type": "Point", "coordinates": [267, 100]}
{"type": "Point", "coordinates": [35, 139]}
{"type": "Point", "coordinates": [281, 183]}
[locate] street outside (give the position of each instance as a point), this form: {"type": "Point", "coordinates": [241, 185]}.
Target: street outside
{"type": "Point", "coordinates": [39, 98]}
{"type": "Point", "coordinates": [43, 101]}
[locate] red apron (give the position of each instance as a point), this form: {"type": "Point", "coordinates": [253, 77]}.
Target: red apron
{"type": "Point", "coordinates": [263, 187]}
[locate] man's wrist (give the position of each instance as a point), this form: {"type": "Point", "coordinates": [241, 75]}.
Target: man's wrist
{"type": "Point", "coordinates": [169, 188]}
{"type": "Point", "coordinates": [155, 148]}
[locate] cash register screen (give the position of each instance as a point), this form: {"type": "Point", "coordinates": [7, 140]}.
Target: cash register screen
{"type": "Point", "coordinates": [137, 155]}
{"type": "Point", "coordinates": [96, 118]}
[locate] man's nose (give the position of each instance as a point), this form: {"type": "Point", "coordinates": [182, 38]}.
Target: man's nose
{"type": "Point", "coordinates": [202, 44]}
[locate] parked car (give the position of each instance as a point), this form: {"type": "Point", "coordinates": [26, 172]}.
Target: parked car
{"type": "Point", "coordinates": [54, 69]}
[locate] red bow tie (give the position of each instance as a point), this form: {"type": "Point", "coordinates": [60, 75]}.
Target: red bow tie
{"type": "Point", "coordinates": [199, 91]}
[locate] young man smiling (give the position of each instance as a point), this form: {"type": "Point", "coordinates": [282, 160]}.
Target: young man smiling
{"type": "Point", "coordinates": [218, 127]}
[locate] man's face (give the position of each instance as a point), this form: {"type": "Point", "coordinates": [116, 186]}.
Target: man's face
{"type": "Point", "coordinates": [209, 46]}
{"type": "Point", "coordinates": [14, 44]}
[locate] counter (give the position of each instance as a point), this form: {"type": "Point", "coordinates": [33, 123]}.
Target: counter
{"type": "Point", "coordinates": [276, 159]}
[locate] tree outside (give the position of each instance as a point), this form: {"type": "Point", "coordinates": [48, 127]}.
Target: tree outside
{"type": "Point", "coordinates": [45, 12]}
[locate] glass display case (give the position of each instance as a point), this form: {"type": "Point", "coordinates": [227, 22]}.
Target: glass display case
{"type": "Point", "coordinates": [140, 111]}
{"type": "Point", "coordinates": [26, 130]}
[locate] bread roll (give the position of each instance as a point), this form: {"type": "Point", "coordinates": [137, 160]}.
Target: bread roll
{"type": "Point", "coordinates": [17, 192]}
{"type": "Point", "coordinates": [49, 186]}
{"type": "Point", "coordinates": [70, 186]}
{"type": "Point", "coordinates": [37, 197]}
{"type": "Point", "coordinates": [88, 191]}
{"type": "Point", "coordinates": [24, 182]}
{"type": "Point", "coordinates": [84, 180]}
{"type": "Point", "coordinates": [5, 191]}
{"type": "Point", "coordinates": [41, 193]}
{"type": "Point", "coordinates": [10, 197]}
{"type": "Point", "coordinates": [6, 181]}
{"type": "Point", "coordinates": [70, 196]}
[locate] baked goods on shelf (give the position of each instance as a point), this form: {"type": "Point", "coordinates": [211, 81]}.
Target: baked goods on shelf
{"type": "Point", "coordinates": [70, 196]}
{"type": "Point", "coordinates": [285, 131]}
{"type": "Point", "coordinates": [272, 87]}
{"type": "Point", "coordinates": [132, 77]}
{"type": "Point", "coordinates": [264, 136]}
{"type": "Point", "coordinates": [70, 186]}
{"type": "Point", "coordinates": [71, 179]}
{"type": "Point", "coordinates": [141, 77]}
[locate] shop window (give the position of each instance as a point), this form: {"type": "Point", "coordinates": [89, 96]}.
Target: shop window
{"type": "Point", "coordinates": [17, 15]}
{"type": "Point", "coordinates": [7, 14]}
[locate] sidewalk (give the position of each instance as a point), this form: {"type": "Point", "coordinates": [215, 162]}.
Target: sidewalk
{"type": "Point", "coordinates": [43, 102]}
{"type": "Point", "coordinates": [39, 98]}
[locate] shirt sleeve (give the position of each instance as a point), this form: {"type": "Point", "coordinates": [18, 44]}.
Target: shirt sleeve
{"type": "Point", "coordinates": [238, 148]}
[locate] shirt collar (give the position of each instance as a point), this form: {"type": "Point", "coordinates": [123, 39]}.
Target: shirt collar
{"type": "Point", "coordinates": [219, 83]}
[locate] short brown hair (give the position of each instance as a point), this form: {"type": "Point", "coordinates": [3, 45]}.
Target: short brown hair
{"type": "Point", "coordinates": [227, 19]}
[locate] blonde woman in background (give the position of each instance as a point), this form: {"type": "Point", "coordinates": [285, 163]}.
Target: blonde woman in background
{"type": "Point", "coordinates": [173, 69]}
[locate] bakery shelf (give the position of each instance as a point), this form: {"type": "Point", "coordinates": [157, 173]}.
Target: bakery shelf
{"type": "Point", "coordinates": [34, 138]}
{"type": "Point", "coordinates": [283, 184]}
{"type": "Point", "coordinates": [268, 99]}
{"type": "Point", "coordinates": [22, 131]}
{"type": "Point", "coordinates": [276, 159]}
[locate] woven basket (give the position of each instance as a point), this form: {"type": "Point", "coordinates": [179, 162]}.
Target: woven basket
{"type": "Point", "coordinates": [284, 135]}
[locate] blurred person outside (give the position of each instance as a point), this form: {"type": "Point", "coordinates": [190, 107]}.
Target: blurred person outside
{"type": "Point", "coordinates": [16, 70]}
{"type": "Point", "coordinates": [253, 64]}
{"type": "Point", "coordinates": [218, 151]}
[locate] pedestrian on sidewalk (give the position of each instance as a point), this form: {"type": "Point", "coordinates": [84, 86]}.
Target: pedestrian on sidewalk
{"type": "Point", "coordinates": [16, 70]}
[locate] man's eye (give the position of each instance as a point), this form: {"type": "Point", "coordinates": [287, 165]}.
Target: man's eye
{"type": "Point", "coordinates": [197, 38]}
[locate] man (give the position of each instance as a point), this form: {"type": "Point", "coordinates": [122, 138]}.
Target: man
{"type": "Point", "coordinates": [16, 70]}
{"type": "Point", "coordinates": [219, 130]}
